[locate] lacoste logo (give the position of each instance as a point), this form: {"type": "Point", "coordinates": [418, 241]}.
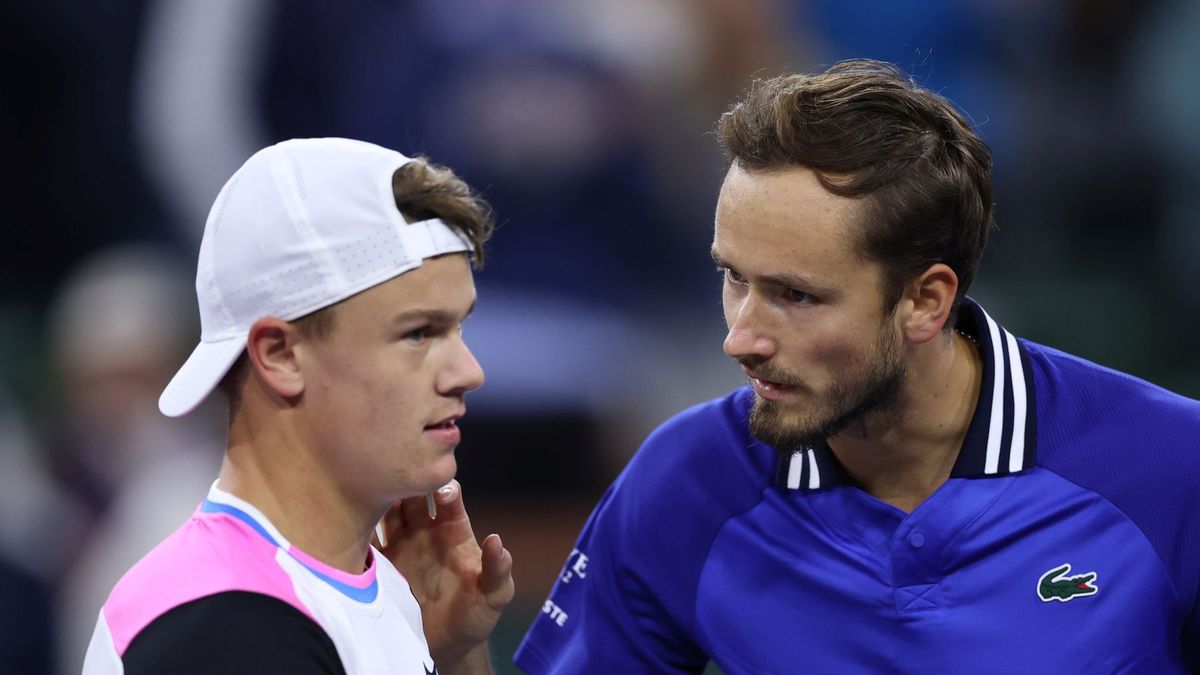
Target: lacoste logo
{"type": "Point", "coordinates": [1057, 585]}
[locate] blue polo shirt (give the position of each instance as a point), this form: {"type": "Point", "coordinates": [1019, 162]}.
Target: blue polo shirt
{"type": "Point", "coordinates": [1067, 540]}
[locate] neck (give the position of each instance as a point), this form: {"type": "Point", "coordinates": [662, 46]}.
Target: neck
{"type": "Point", "coordinates": [268, 465]}
{"type": "Point", "coordinates": [903, 461]}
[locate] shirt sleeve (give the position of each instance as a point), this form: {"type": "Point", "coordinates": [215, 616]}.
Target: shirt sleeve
{"type": "Point", "coordinates": [626, 599]}
{"type": "Point", "coordinates": [233, 632]}
{"type": "Point", "coordinates": [604, 614]}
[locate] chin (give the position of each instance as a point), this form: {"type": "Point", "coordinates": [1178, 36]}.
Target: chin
{"type": "Point", "coordinates": [442, 471]}
{"type": "Point", "coordinates": [784, 426]}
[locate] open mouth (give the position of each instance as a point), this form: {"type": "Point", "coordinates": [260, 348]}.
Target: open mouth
{"type": "Point", "coordinates": [772, 391]}
{"type": "Point", "coordinates": [769, 389]}
{"type": "Point", "coordinates": [444, 431]}
{"type": "Point", "coordinates": [762, 381]}
{"type": "Point", "coordinates": [772, 385]}
{"type": "Point", "coordinates": [445, 423]}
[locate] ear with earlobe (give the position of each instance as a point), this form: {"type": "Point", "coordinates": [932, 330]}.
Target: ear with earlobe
{"type": "Point", "coordinates": [931, 296]}
{"type": "Point", "coordinates": [271, 348]}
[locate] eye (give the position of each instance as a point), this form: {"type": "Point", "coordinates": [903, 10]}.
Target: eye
{"type": "Point", "coordinates": [417, 335]}
{"type": "Point", "coordinates": [797, 296]}
{"type": "Point", "coordinates": [731, 276]}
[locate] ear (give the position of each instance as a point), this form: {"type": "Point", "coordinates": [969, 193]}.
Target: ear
{"type": "Point", "coordinates": [271, 346]}
{"type": "Point", "coordinates": [929, 298]}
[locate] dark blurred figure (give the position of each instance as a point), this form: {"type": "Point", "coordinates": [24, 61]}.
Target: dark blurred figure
{"type": "Point", "coordinates": [37, 528]}
{"type": "Point", "coordinates": [1164, 76]}
{"type": "Point", "coordinates": [26, 626]}
{"type": "Point", "coordinates": [1089, 170]}
{"type": "Point", "coordinates": [538, 115]}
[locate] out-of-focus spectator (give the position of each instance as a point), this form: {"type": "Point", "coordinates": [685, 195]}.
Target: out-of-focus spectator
{"type": "Point", "coordinates": [120, 324]}
{"type": "Point", "coordinates": [120, 327]}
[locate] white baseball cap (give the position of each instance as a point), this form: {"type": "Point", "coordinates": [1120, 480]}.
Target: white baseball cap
{"type": "Point", "coordinates": [302, 225]}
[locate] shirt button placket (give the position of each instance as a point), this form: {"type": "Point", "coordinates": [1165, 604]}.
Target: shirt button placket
{"type": "Point", "coordinates": [915, 583]}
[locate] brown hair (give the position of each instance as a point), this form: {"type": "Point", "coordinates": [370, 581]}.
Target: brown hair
{"type": "Point", "coordinates": [422, 190]}
{"type": "Point", "coordinates": [867, 129]}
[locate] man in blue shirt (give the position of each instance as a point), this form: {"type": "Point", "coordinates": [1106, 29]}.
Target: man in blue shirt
{"type": "Point", "coordinates": [904, 486]}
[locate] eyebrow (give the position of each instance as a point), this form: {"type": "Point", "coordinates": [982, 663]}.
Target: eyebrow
{"type": "Point", "coordinates": [786, 280]}
{"type": "Point", "coordinates": [433, 315]}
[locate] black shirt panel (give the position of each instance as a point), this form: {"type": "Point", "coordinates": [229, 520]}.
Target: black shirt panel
{"type": "Point", "coordinates": [233, 633]}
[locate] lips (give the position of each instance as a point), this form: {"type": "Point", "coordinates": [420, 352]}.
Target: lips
{"type": "Point", "coordinates": [769, 389]}
{"type": "Point", "coordinates": [445, 423]}
{"type": "Point", "coordinates": [766, 381]}
{"type": "Point", "coordinates": [770, 383]}
{"type": "Point", "coordinates": [444, 431]}
{"type": "Point", "coordinates": [772, 390]}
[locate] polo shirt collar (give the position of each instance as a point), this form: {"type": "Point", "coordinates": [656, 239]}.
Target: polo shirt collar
{"type": "Point", "coordinates": [1002, 436]}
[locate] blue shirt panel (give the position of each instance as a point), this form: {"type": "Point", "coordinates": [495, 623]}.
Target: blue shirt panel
{"type": "Point", "coordinates": [832, 582]}
{"type": "Point", "coordinates": [1137, 446]}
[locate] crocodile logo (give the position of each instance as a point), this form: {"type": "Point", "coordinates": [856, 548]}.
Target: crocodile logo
{"type": "Point", "coordinates": [1057, 584]}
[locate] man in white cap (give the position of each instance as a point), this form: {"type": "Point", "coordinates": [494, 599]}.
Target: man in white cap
{"type": "Point", "coordinates": [333, 280]}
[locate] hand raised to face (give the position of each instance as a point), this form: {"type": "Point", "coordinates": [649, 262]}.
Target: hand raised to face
{"type": "Point", "coordinates": [462, 587]}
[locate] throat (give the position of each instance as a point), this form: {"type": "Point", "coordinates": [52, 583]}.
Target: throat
{"type": "Point", "coordinates": [900, 480]}
{"type": "Point", "coordinates": [904, 465]}
{"type": "Point", "coordinates": [905, 498]}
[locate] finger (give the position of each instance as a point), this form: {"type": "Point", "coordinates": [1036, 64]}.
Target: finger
{"type": "Point", "coordinates": [449, 500]}
{"type": "Point", "coordinates": [496, 580]}
{"type": "Point", "coordinates": [497, 561]}
{"type": "Point", "coordinates": [415, 513]}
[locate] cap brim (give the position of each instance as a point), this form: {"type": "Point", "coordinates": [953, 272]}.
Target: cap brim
{"type": "Point", "coordinates": [199, 375]}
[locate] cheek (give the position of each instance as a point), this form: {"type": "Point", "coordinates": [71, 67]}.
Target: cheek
{"type": "Point", "coordinates": [369, 414]}
{"type": "Point", "coordinates": [842, 348]}
{"type": "Point", "coordinates": [357, 391]}
{"type": "Point", "coordinates": [834, 353]}
{"type": "Point", "coordinates": [383, 395]}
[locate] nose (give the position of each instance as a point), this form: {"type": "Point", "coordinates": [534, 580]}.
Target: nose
{"type": "Point", "coordinates": [464, 373]}
{"type": "Point", "coordinates": [746, 337]}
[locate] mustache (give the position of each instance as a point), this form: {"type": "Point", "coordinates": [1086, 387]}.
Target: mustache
{"type": "Point", "coordinates": [766, 371]}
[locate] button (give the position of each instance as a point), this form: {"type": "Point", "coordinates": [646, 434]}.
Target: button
{"type": "Point", "coordinates": [916, 539]}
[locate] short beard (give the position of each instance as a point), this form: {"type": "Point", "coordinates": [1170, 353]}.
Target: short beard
{"type": "Point", "coordinates": [866, 402]}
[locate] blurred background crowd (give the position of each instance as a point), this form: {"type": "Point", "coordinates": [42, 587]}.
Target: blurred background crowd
{"type": "Point", "coordinates": [587, 124]}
